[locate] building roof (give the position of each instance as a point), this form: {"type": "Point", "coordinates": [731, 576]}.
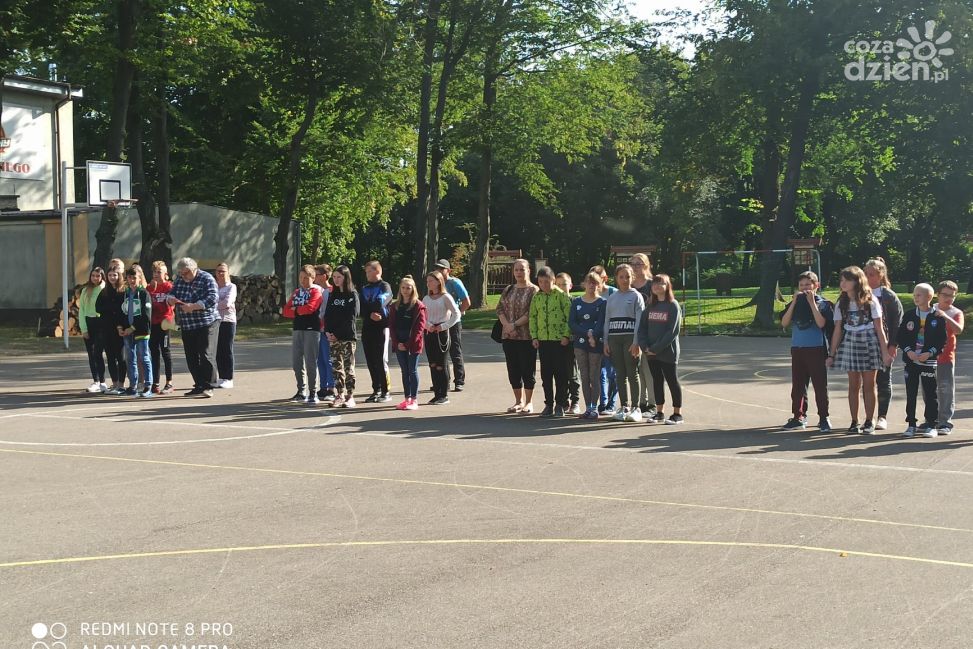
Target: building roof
{"type": "Point", "coordinates": [36, 215]}
{"type": "Point", "coordinates": [52, 89]}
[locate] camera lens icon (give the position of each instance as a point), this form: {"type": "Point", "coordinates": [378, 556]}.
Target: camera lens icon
{"type": "Point", "coordinates": [42, 633]}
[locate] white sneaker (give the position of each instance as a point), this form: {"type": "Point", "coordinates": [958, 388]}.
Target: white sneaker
{"type": "Point", "coordinates": [881, 423]}
{"type": "Point", "coordinates": [621, 414]}
{"type": "Point", "coordinates": [634, 415]}
{"type": "Point", "coordinates": [225, 383]}
{"type": "Point", "coordinates": [103, 387]}
{"type": "Point", "coordinates": [930, 432]}
{"type": "Point", "coordinates": [95, 387]}
{"type": "Point", "coordinates": [349, 403]}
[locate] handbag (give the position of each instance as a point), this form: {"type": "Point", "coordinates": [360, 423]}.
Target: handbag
{"type": "Point", "coordinates": [497, 333]}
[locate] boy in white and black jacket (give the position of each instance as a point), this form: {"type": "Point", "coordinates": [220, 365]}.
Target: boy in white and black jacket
{"type": "Point", "coordinates": [921, 337]}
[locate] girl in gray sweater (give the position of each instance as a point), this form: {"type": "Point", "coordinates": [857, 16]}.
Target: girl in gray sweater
{"type": "Point", "coordinates": [659, 339]}
{"type": "Point", "coordinates": [623, 313]}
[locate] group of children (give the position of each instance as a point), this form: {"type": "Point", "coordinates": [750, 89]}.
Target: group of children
{"type": "Point", "coordinates": [126, 320]}
{"type": "Point", "coordinates": [862, 334]}
{"type": "Point", "coordinates": [621, 339]}
{"type": "Point", "coordinates": [326, 308]}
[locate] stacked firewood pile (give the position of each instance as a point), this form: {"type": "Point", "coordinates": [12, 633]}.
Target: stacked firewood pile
{"type": "Point", "coordinates": [52, 325]}
{"type": "Point", "coordinates": [257, 298]}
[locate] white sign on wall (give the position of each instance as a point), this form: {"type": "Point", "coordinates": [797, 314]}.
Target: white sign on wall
{"type": "Point", "coordinates": [29, 155]}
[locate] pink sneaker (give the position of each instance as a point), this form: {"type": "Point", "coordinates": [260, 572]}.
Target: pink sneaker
{"type": "Point", "coordinates": [412, 405]}
{"type": "Point", "coordinates": [403, 406]}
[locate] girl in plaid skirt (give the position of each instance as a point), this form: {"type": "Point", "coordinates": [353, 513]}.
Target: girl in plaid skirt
{"type": "Point", "coordinates": [859, 345]}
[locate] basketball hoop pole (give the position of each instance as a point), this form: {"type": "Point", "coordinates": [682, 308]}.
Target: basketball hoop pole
{"type": "Point", "coordinates": [65, 305]}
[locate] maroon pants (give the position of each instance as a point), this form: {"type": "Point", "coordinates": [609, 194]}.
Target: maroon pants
{"type": "Point", "coordinates": [807, 365]}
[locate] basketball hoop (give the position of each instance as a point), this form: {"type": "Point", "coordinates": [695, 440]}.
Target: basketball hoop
{"type": "Point", "coordinates": [122, 202]}
{"type": "Point", "coordinates": [109, 183]}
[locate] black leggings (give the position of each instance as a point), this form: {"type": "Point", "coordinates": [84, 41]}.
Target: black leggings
{"type": "Point", "coordinates": [521, 363]}
{"type": "Point", "coordinates": [438, 361]}
{"type": "Point", "coordinates": [95, 347]}
{"type": "Point", "coordinates": [115, 354]}
{"type": "Point", "coordinates": [159, 345]}
{"type": "Point", "coordinates": [660, 369]}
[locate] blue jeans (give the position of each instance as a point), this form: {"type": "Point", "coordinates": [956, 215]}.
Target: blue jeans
{"type": "Point", "coordinates": [324, 364]}
{"type": "Point", "coordinates": [409, 363]}
{"type": "Point", "coordinates": [138, 350]}
{"type": "Point", "coordinates": [609, 388]}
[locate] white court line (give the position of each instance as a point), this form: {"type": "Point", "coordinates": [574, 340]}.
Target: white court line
{"type": "Point", "coordinates": [273, 432]}
{"type": "Point", "coordinates": [709, 396]}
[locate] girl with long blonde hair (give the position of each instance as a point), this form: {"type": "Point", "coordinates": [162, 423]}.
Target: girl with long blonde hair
{"type": "Point", "coordinates": [407, 323]}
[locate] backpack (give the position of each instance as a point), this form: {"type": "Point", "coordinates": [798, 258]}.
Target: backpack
{"type": "Point", "coordinates": [829, 326]}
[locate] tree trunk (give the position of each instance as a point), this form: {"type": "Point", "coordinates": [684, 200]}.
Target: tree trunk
{"type": "Point", "coordinates": [161, 244]}
{"type": "Point", "coordinates": [432, 214]}
{"type": "Point", "coordinates": [128, 12]}
{"type": "Point", "coordinates": [452, 53]}
{"type": "Point", "coordinates": [316, 241]}
{"type": "Point", "coordinates": [291, 191]}
{"type": "Point", "coordinates": [140, 185]}
{"type": "Point", "coordinates": [772, 262]}
{"type": "Point", "coordinates": [430, 36]}
{"type": "Point", "coordinates": [480, 267]}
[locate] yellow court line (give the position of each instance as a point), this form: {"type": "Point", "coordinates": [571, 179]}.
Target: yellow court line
{"type": "Point", "coordinates": [515, 490]}
{"type": "Point", "coordinates": [446, 542]}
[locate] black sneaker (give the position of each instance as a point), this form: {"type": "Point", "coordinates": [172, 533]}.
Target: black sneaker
{"type": "Point", "coordinates": [297, 398]}
{"type": "Point", "coordinates": [923, 427]}
{"type": "Point", "coordinates": [674, 419]}
{"type": "Point", "coordinates": [373, 398]}
{"type": "Point", "coordinates": [868, 428]}
{"type": "Point", "coordinates": [548, 411]}
{"type": "Point", "coordinates": [383, 398]}
{"type": "Point", "coordinates": [794, 423]}
{"type": "Point", "coordinates": [854, 429]}
{"type": "Point", "coordinates": [439, 401]}
{"type": "Point", "coordinates": [824, 425]}
{"type": "Point", "coordinates": [658, 418]}
{"type": "Point", "coordinates": [322, 393]}
{"type": "Point", "coordinates": [558, 412]}
{"type": "Point", "coordinates": [195, 392]}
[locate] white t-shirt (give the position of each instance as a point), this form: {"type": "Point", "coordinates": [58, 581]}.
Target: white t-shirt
{"type": "Point", "coordinates": [857, 320]}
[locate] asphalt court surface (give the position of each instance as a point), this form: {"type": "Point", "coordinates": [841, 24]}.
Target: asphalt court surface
{"type": "Point", "coordinates": [247, 522]}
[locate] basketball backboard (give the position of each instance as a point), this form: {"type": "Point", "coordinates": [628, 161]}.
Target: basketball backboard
{"type": "Point", "coordinates": [108, 182]}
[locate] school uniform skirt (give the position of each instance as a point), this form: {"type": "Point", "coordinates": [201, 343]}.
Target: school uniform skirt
{"type": "Point", "coordinates": [859, 351]}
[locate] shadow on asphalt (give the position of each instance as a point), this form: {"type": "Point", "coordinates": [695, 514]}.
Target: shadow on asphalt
{"type": "Point", "coordinates": [811, 444]}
